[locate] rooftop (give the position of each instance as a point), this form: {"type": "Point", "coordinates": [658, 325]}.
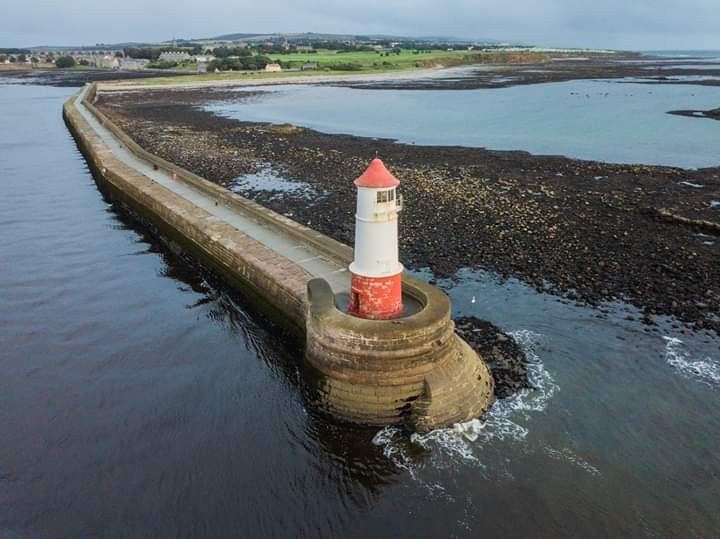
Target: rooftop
{"type": "Point", "coordinates": [377, 176]}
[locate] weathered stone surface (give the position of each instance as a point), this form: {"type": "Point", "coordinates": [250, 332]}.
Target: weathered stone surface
{"type": "Point", "coordinates": [414, 370]}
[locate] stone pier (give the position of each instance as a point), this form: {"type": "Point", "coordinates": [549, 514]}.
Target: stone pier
{"type": "Point", "coordinates": [413, 370]}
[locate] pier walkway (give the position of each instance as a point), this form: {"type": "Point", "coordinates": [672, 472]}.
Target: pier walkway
{"type": "Point", "coordinates": [305, 255]}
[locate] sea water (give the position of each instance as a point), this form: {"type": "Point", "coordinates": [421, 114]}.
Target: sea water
{"type": "Point", "coordinates": [615, 121]}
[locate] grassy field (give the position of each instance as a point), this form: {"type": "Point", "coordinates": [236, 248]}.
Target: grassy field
{"type": "Point", "coordinates": [334, 63]}
{"type": "Point", "coordinates": [406, 59]}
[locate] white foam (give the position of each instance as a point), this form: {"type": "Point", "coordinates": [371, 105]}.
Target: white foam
{"type": "Point", "coordinates": [463, 441]}
{"type": "Point", "coordinates": [450, 441]}
{"type": "Point", "coordinates": [690, 184]}
{"type": "Point", "coordinates": [706, 370]}
{"type": "Point", "coordinates": [391, 440]}
{"type": "Point", "coordinates": [567, 455]}
{"type": "Point", "coordinates": [715, 203]}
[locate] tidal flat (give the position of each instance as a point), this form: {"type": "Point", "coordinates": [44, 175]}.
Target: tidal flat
{"type": "Point", "coordinates": [590, 231]}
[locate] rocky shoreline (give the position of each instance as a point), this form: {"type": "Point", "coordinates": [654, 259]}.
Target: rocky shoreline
{"type": "Point", "coordinates": [70, 78]}
{"type": "Point", "coordinates": [589, 231]}
{"type": "Point", "coordinates": [617, 67]}
{"type": "Point", "coordinates": [504, 357]}
{"type": "Point", "coordinates": [713, 114]}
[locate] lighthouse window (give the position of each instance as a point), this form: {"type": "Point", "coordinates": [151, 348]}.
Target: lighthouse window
{"type": "Point", "coordinates": [386, 196]}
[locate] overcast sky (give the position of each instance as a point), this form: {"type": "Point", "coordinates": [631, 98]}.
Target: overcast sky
{"type": "Point", "coordinates": [618, 24]}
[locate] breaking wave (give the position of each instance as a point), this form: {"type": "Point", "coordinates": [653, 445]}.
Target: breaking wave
{"type": "Point", "coordinates": [705, 370]}
{"type": "Point", "coordinates": [462, 441]}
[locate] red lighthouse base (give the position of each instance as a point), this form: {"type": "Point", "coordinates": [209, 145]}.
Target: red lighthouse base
{"type": "Point", "coordinates": [376, 298]}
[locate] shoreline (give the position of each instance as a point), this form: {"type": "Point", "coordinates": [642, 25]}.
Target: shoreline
{"type": "Point", "coordinates": [455, 77]}
{"type": "Point", "coordinates": [713, 114]}
{"type": "Point", "coordinates": [240, 79]}
{"type": "Point", "coordinates": [72, 77]}
{"type": "Point", "coordinates": [547, 220]}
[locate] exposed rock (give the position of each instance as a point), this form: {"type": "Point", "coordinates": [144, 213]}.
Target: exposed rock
{"type": "Point", "coordinates": [503, 355]}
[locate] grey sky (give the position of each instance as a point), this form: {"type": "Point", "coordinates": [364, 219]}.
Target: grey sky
{"type": "Point", "coordinates": [619, 24]}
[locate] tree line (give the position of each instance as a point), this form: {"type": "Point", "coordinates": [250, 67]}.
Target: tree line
{"type": "Point", "coordinates": [245, 63]}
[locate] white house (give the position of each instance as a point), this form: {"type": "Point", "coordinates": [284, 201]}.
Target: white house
{"type": "Point", "coordinates": [174, 56]}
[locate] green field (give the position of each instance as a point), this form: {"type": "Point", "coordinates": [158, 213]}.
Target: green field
{"type": "Point", "coordinates": [368, 60]}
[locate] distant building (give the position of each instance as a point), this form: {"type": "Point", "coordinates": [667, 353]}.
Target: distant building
{"type": "Point", "coordinates": [309, 65]}
{"type": "Point", "coordinates": [133, 64]}
{"type": "Point", "coordinates": [107, 61]}
{"type": "Point", "coordinates": [202, 67]}
{"type": "Point", "coordinates": [273, 67]}
{"type": "Point", "coordinates": [174, 56]}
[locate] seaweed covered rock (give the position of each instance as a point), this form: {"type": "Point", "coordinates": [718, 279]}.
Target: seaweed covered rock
{"type": "Point", "coordinates": [503, 355]}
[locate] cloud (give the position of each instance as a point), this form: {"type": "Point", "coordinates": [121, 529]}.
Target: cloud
{"type": "Point", "coordinates": [634, 24]}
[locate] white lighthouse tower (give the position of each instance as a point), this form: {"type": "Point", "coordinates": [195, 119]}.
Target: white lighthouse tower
{"type": "Point", "coordinates": [376, 285]}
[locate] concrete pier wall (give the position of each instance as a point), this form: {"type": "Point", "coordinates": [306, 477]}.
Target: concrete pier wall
{"type": "Point", "coordinates": [228, 250]}
{"type": "Point", "coordinates": [413, 370]}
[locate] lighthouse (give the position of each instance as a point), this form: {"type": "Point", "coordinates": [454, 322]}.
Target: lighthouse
{"type": "Point", "coordinates": [376, 273]}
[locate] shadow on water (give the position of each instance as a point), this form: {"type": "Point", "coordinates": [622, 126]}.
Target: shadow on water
{"type": "Point", "coordinates": [347, 449]}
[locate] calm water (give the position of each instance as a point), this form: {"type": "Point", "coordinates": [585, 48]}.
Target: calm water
{"type": "Point", "coordinates": [598, 120]}
{"type": "Point", "coordinates": [699, 54]}
{"type": "Point", "coordinates": [139, 398]}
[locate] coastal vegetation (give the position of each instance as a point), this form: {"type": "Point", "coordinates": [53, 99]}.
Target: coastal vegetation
{"type": "Point", "coordinates": [244, 63]}
{"type": "Point", "coordinates": [161, 64]}
{"type": "Point", "coordinates": [226, 52]}
{"type": "Point", "coordinates": [65, 62]}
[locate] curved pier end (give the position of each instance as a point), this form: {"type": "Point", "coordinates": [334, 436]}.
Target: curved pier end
{"type": "Point", "coordinates": [414, 370]}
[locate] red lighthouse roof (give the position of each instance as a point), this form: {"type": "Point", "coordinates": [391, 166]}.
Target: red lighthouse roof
{"type": "Point", "coordinates": [376, 176]}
